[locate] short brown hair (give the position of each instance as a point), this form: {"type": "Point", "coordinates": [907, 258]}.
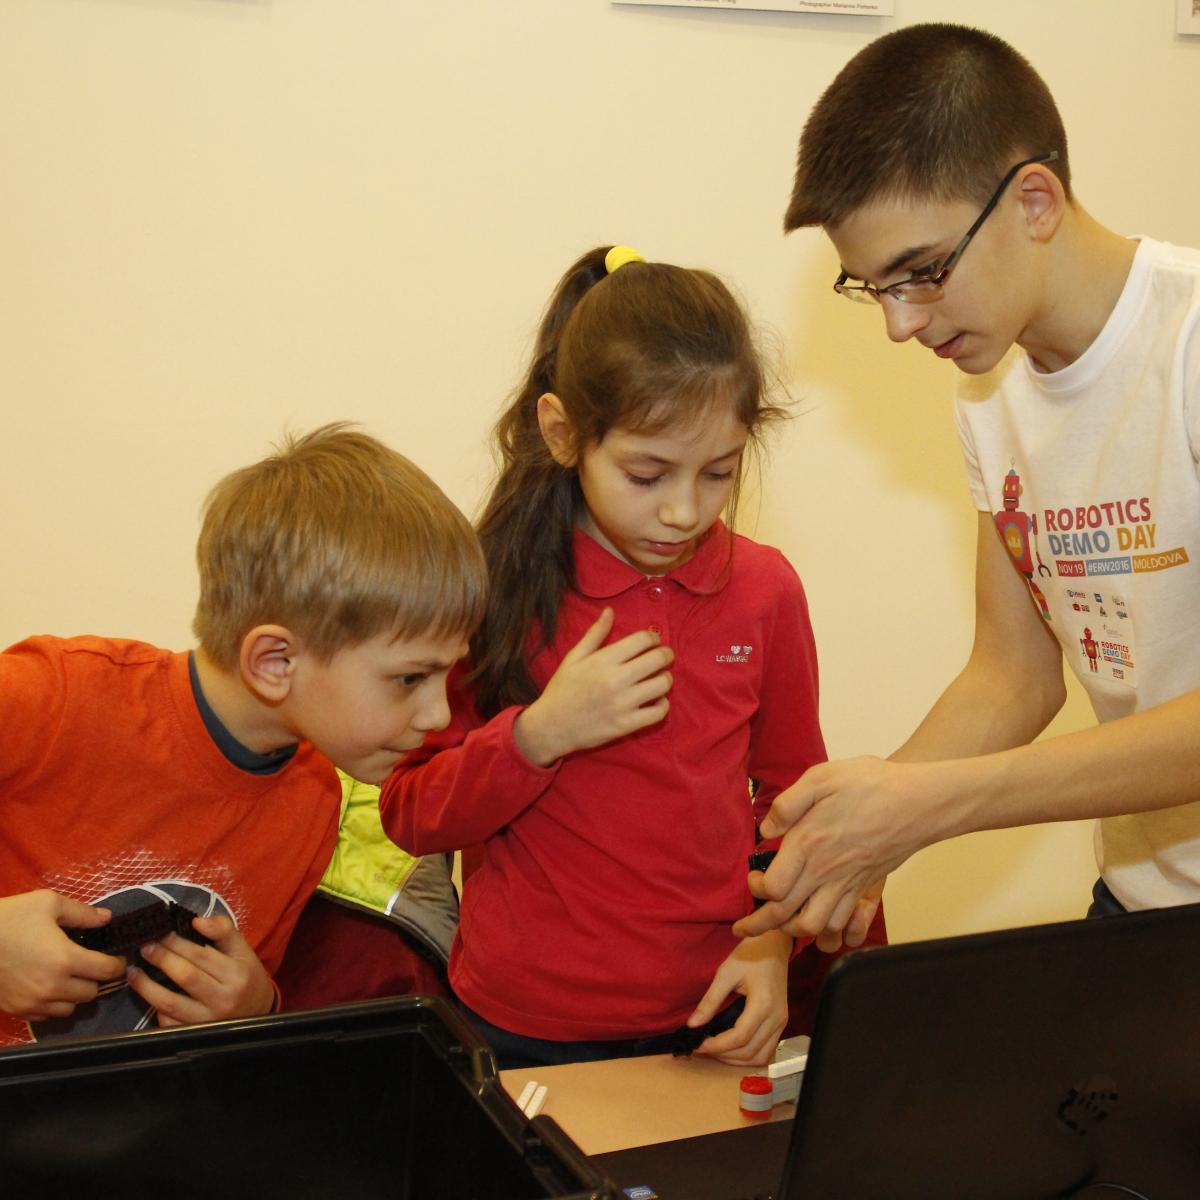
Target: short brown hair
{"type": "Point", "coordinates": [338, 538]}
{"type": "Point", "coordinates": [934, 111]}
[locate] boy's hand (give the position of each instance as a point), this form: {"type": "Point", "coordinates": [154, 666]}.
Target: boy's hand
{"type": "Point", "coordinates": [598, 693]}
{"type": "Point", "coordinates": [219, 982]}
{"type": "Point", "coordinates": [757, 969]}
{"type": "Point", "coordinates": [43, 973]}
{"type": "Point", "coordinates": [845, 826]}
{"type": "Point", "coordinates": [830, 940]}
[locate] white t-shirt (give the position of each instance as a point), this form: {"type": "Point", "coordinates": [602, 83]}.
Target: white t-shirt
{"type": "Point", "coordinates": [1092, 474]}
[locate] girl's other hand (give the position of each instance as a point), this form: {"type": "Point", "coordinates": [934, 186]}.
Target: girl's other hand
{"type": "Point", "coordinates": [599, 693]}
{"type": "Point", "coordinates": [757, 969]}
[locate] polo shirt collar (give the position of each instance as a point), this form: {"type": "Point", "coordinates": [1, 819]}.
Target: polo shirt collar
{"type": "Point", "coordinates": [600, 574]}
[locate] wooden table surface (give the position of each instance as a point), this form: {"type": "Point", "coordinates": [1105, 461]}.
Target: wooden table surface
{"type": "Point", "coordinates": [624, 1102]}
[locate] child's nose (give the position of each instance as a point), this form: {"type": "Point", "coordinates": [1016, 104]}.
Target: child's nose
{"type": "Point", "coordinates": [434, 714]}
{"type": "Point", "coordinates": [679, 511]}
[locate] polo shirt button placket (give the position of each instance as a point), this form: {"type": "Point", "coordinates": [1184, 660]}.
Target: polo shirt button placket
{"type": "Point", "coordinates": [654, 607]}
{"type": "Point", "coordinates": [656, 592]}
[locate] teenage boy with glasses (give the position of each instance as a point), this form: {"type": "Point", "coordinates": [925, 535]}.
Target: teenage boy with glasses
{"type": "Point", "coordinates": [1082, 452]}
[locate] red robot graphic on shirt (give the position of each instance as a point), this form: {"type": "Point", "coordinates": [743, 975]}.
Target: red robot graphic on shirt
{"type": "Point", "coordinates": [1018, 532]}
{"type": "Point", "coordinates": [1091, 649]}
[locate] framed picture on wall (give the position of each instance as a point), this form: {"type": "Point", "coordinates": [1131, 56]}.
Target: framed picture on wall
{"type": "Point", "coordinates": [844, 8]}
{"type": "Point", "coordinates": [1187, 16]}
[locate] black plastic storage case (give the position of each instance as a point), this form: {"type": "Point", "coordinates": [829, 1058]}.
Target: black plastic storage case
{"type": "Point", "coordinates": [393, 1099]}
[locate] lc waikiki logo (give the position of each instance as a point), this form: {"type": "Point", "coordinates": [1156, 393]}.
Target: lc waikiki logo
{"type": "Point", "coordinates": [736, 654]}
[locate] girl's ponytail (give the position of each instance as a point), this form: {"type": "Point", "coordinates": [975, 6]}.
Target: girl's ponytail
{"type": "Point", "coordinates": [526, 529]}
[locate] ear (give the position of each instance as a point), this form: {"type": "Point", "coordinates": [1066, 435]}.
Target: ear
{"type": "Point", "coordinates": [268, 661]}
{"type": "Point", "coordinates": [1043, 201]}
{"type": "Point", "coordinates": [557, 430]}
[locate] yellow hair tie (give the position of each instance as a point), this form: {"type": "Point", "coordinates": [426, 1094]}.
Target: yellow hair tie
{"type": "Point", "coordinates": [618, 256]}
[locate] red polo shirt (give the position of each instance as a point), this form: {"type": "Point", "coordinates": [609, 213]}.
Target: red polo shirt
{"type": "Point", "coordinates": [611, 879]}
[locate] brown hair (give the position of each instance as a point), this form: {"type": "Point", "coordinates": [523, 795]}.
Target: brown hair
{"type": "Point", "coordinates": [644, 348]}
{"type": "Point", "coordinates": [339, 539]}
{"type": "Point", "coordinates": [933, 111]}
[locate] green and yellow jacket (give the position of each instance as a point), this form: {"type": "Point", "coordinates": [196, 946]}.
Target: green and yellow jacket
{"type": "Point", "coordinates": [368, 871]}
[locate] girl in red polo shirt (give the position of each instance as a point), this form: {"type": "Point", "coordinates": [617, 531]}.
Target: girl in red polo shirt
{"type": "Point", "coordinates": [638, 666]}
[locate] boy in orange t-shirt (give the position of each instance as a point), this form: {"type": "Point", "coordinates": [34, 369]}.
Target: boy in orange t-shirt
{"type": "Point", "coordinates": [337, 587]}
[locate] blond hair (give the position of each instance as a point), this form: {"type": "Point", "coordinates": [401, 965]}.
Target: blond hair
{"type": "Point", "coordinates": [337, 538]}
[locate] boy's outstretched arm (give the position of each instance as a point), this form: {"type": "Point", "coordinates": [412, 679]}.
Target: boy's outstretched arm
{"type": "Point", "coordinates": [219, 982]}
{"type": "Point", "coordinates": [757, 969]}
{"type": "Point", "coordinates": [43, 973]}
{"type": "Point", "coordinates": [847, 824]}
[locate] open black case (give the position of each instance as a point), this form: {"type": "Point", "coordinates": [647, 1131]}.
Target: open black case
{"type": "Point", "coordinates": [387, 1098]}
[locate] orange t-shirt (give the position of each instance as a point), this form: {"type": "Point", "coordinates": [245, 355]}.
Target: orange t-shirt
{"type": "Point", "coordinates": [112, 787]}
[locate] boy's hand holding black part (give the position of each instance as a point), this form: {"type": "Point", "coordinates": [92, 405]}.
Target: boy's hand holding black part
{"type": "Point", "coordinates": [125, 933]}
{"type": "Point", "coordinates": [43, 973]}
{"type": "Point", "coordinates": [218, 982]}
{"type": "Point", "coordinates": [760, 860]}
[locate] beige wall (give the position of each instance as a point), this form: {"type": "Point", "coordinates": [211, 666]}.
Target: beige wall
{"type": "Point", "coordinates": [226, 218]}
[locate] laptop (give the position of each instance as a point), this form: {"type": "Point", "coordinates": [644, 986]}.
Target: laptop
{"type": "Point", "coordinates": [1056, 1061]}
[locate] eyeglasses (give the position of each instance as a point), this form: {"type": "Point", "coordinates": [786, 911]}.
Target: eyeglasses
{"type": "Point", "coordinates": [928, 284]}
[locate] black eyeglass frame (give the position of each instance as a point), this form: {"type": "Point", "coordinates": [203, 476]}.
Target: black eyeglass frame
{"type": "Point", "coordinates": [938, 280]}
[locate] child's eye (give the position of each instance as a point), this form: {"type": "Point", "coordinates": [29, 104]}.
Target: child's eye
{"type": "Point", "coordinates": [642, 480]}
{"type": "Point", "coordinates": [720, 476]}
{"type": "Point", "coordinates": [410, 681]}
